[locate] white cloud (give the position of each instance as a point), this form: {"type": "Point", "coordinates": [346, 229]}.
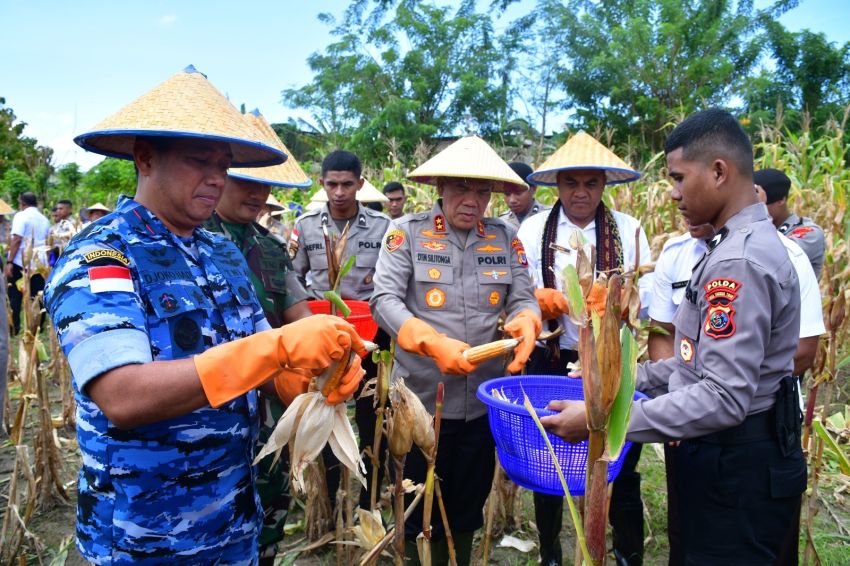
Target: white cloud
{"type": "Point", "coordinates": [167, 20]}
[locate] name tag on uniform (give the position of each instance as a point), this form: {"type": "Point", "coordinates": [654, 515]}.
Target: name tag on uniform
{"type": "Point", "coordinates": [680, 284]}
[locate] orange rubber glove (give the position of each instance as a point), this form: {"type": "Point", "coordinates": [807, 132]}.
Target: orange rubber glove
{"type": "Point", "coordinates": [313, 343]}
{"type": "Point", "coordinates": [526, 324]}
{"type": "Point", "coordinates": [597, 299]}
{"type": "Point", "coordinates": [348, 384]}
{"type": "Point", "coordinates": [419, 337]}
{"type": "Point", "coordinates": [552, 303]}
{"type": "Point", "coordinates": [290, 383]}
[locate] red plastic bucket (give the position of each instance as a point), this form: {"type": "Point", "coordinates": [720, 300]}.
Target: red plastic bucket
{"type": "Point", "coordinates": [360, 317]}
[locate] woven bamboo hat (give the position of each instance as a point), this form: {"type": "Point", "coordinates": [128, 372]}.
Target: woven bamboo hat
{"type": "Point", "coordinates": [471, 158]}
{"type": "Point", "coordinates": [367, 193]}
{"type": "Point", "coordinates": [582, 151]}
{"type": "Point", "coordinates": [186, 105]}
{"type": "Point", "coordinates": [288, 174]}
{"type": "Point", "coordinates": [97, 206]}
{"type": "Point", "coordinates": [5, 208]}
{"type": "Point", "coordinates": [273, 203]}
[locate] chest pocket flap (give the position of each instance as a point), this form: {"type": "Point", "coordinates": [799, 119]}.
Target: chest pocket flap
{"type": "Point", "coordinates": [424, 273]}
{"type": "Point", "coordinates": [687, 322]}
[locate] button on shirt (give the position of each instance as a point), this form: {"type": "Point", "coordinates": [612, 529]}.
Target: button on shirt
{"type": "Point", "coordinates": [736, 334]}
{"type": "Point", "coordinates": [678, 258]}
{"type": "Point", "coordinates": [32, 226]}
{"type": "Point", "coordinates": [129, 291]}
{"type": "Point", "coordinates": [531, 234]}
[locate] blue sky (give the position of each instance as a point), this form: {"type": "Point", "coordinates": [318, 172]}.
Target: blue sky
{"type": "Point", "coordinates": [66, 65]}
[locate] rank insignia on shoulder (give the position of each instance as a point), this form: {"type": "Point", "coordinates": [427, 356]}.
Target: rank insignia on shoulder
{"type": "Point", "coordinates": [800, 232]}
{"type": "Point", "coordinates": [106, 256]}
{"type": "Point", "coordinates": [293, 243]}
{"type": "Point", "coordinates": [439, 223]}
{"type": "Point", "coordinates": [481, 231]}
{"type": "Point", "coordinates": [516, 244]}
{"type": "Point", "coordinates": [686, 349]}
{"type": "Point", "coordinates": [394, 240]}
{"type": "Point", "coordinates": [435, 298]}
{"type": "Point", "coordinates": [720, 319]}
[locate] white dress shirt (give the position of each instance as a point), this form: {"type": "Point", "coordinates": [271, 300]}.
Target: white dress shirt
{"type": "Point", "coordinates": [531, 235]}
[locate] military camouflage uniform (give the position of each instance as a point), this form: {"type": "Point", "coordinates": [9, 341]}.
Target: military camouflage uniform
{"type": "Point", "coordinates": [277, 289]}
{"type": "Point", "coordinates": [129, 291]}
{"type": "Point", "coordinates": [808, 235]}
{"type": "Point", "coordinates": [509, 217]}
{"type": "Point", "coordinates": [307, 250]}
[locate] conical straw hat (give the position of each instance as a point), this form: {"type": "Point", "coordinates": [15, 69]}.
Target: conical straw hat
{"type": "Point", "coordinates": [186, 105]}
{"type": "Point", "coordinates": [98, 206]}
{"type": "Point", "coordinates": [287, 174]}
{"type": "Point", "coordinates": [583, 152]}
{"type": "Point", "coordinates": [5, 208]}
{"type": "Point", "coordinates": [469, 158]}
{"type": "Point", "coordinates": [273, 203]}
{"type": "Point", "coordinates": [367, 193]}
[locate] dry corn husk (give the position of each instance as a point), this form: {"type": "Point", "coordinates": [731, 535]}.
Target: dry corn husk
{"type": "Point", "coordinates": [370, 529]}
{"type": "Point", "coordinates": [308, 424]}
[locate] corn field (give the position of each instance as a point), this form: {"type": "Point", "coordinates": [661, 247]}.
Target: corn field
{"type": "Point", "coordinates": [38, 457]}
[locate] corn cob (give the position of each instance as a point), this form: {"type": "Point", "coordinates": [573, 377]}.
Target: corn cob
{"type": "Point", "coordinates": [490, 350]}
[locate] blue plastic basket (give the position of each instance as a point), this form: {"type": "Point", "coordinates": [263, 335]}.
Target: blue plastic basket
{"type": "Point", "coordinates": [522, 451]}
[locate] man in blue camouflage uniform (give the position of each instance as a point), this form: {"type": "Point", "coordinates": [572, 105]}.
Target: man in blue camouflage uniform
{"type": "Point", "coordinates": [162, 332]}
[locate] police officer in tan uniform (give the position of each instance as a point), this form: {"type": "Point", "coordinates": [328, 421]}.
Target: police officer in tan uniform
{"type": "Point", "coordinates": [728, 393]}
{"type": "Point", "coordinates": [442, 282]}
{"type": "Point", "coordinates": [341, 180]}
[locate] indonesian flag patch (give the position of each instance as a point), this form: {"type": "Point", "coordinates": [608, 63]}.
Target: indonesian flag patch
{"type": "Point", "coordinates": [110, 278]}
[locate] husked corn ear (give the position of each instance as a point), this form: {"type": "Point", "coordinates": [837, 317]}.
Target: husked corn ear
{"type": "Point", "coordinates": [495, 349]}
{"type": "Point", "coordinates": [335, 373]}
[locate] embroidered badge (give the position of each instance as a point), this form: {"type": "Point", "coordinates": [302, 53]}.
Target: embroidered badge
{"type": "Point", "coordinates": [368, 278]}
{"type": "Point", "coordinates": [800, 232]}
{"type": "Point", "coordinates": [110, 278]}
{"type": "Point", "coordinates": [720, 319]}
{"type": "Point", "coordinates": [435, 298]}
{"type": "Point", "coordinates": [495, 275]}
{"type": "Point", "coordinates": [432, 234]}
{"type": "Point", "coordinates": [168, 302]}
{"type": "Point", "coordinates": [686, 349]}
{"type": "Point", "coordinates": [106, 253]}
{"type": "Point", "coordinates": [434, 246]}
{"type": "Point", "coordinates": [434, 273]}
{"type": "Point", "coordinates": [490, 248]}
{"type": "Point", "coordinates": [516, 244]}
{"type": "Point", "coordinates": [481, 229]}
{"type": "Point", "coordinates": [494, 297]}
{"type": "Point", "coordinates": [439, 223]}
{"type": "Point", "coordinates": [394, 240]}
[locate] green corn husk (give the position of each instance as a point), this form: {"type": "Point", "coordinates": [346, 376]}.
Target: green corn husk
{"type": "Point", "coordinates": [574, 295]}
{"type": "Point", "coordinates": [621, 410]}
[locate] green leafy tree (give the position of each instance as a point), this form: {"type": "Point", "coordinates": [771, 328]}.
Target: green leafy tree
{"type": "Point", "coordinates": [21, 152]}
{"type": "Point", "coordinates": [107, 180]}
{"type": "Point", "coordinates": [14, 183]}
{"type": "Point", "coordinates": [633, 66]}
{"type": "Point", "coordinates": [403, 72]}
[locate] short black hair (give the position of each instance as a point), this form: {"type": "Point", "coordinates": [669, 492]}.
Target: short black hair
{"type": "Point", "coordinates": [775, 183]}
{"type": "Point", "coordinates": [28, 198]}
{"type": "Point", "coordinates": [65, 202]}
{"type": "Point", "coordinates": [523, 170]}
{"type": "Point", "coordinates": [709, 134]}
{"type": "Point", "coordinates": [375, 206]}
{"type": "Point", "coordinates": [393, 186]}
{"type": "Point", "coordinates": [341, 160]}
